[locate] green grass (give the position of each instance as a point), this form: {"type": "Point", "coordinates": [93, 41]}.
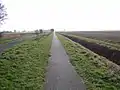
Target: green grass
{"type": "Point", "coordinates": [23, 67]}
{"type": "Point", "coordinates": [5, 40]}
{"type": "Point", "coordinates": [115, 46]}
{"type": "Point", "coordinates": [97, 72]}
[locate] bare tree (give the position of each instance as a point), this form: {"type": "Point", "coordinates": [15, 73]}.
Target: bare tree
{"type": "Point", "coordinates": [3, 13]}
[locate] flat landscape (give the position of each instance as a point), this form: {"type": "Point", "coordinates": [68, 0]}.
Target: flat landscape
{"type": "Point", "coordinates": [59, 45]}
{"type": "Point", "coordinates": [101, 35]}
{"type": "Point", "coordinates": [61, 61]}
{"type": "Point", "coordinates": [109, 50]}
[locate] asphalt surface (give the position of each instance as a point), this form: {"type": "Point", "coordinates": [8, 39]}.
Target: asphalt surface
{"type": "Point", "coordinates": [61, 74]}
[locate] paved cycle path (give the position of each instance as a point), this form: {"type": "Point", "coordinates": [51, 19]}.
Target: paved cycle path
{"type": "Point", "coordinates": [61, 74]}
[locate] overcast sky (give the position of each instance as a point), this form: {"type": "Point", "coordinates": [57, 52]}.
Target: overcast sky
{"type": "Point", "coordinates": [63, 14]}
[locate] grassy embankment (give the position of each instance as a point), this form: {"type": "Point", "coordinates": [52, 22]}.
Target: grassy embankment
{"type": "Point", "coordinates": [97, 72]}
{"type": "Point", "coordinates": [115, 46]}
{"type": "Point", "coordinates": [23, 66]}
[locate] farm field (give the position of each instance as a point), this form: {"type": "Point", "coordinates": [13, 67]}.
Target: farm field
{"type": "Point", "coordinates": [23, 67]}
{"type": "Point", "coordinates": [103, 41]}
{"type": "Point", "coordinates": [109, 36]}
{"type": "Point", "coordinates": [110, 53]}
{"type": "Point", "coordinates": [97, 72]}
{"type": "Point", "coordinates": [106, 49]}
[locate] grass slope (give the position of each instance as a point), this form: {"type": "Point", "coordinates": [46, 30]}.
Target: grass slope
{"type": "Point", "coordinates": [23, 66]}
{"type": "Point", "coordinates": [97, 72]}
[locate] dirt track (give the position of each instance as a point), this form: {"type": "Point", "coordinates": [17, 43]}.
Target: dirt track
{"type": "Point", "coordinates": [110, 54]}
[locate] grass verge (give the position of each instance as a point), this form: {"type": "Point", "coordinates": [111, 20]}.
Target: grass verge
{"type": "Point", "coordinates": [97, 72]}
{"type": "Point", "coordinates": [23, 66]}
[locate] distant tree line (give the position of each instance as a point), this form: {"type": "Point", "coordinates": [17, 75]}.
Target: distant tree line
{"type": "Point", "coordinates": [40, 31]}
